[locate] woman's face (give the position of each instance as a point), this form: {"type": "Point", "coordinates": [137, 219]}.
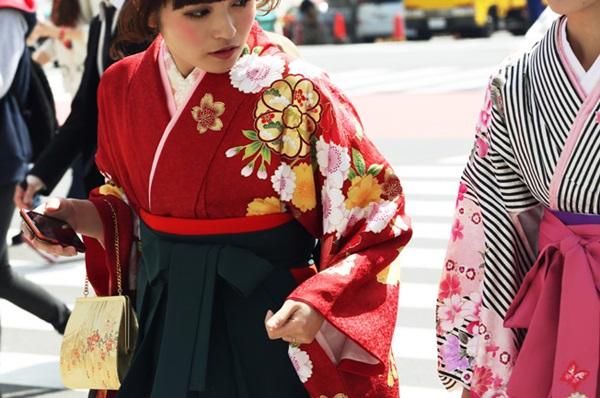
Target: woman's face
{"type": "Point", "coordinates": [209, 36]}
{"type": "Point", "coordinates": [569, 7]}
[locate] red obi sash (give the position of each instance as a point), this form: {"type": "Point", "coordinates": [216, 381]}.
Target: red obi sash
{"type": "Point", "coordinates": [236, 225]}
{"type": "Point", "coordinates": [222, 226]}
{"type": "Point", "coordinates": [559, 305]}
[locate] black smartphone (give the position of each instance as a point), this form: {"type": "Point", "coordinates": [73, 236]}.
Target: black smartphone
{"type": "Point", "coordinates": [51, 230]}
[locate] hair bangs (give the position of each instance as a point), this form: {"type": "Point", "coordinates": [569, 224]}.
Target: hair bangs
{"type": "Point", "coordinates": [177, 4]}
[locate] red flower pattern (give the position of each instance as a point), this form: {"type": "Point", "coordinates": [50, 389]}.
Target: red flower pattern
{"type": "Point", "coordinates": [449, 286]}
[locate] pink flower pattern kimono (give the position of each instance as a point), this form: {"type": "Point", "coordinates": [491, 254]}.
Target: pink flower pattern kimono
{"type": "Point", "coordinates": [535, 150]}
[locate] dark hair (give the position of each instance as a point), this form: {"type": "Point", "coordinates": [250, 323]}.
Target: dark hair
{"type": "Point", "coordinates": [133, 27]}
{"type": "Point", "coordinates": [65, 12]}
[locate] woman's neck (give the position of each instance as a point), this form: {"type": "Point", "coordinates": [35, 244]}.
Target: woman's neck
{"type": "Point", "coordinates": [583, 33]}
{"type": "Point", "coordinates": [184, 68]}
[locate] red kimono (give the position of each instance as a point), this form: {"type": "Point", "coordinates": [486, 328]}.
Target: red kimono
{"type": "Point", "coordinates": [272, 136]}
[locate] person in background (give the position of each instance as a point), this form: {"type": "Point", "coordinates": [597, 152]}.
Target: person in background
{"type": "Point", "coordinates": [310, 27]}
{"type": "Point", "coordinates": [66, 40]}
{"type": "Point", "coordinates": [17, 18]}
{"type": "Point", "coordinates": [535, 9]}
{"type": "Point", "coordinates": [64, 43]}
{"type": "Point", "coordinates": [518, 307]}
{"type": "Point", "coordinates": [77, 136]}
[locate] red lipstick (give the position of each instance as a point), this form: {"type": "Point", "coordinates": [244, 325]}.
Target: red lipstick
{"type": "Point", "coordinates": [225, 53]}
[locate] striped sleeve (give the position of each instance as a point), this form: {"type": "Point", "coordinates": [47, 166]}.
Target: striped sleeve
{"type": "Point", "coordinates": [488, 254]}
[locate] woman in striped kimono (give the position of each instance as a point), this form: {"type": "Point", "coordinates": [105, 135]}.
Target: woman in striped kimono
{"type": "Point", "coordinates": [518, 310]}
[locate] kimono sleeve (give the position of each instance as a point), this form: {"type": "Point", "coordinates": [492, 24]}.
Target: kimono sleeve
{"type": "Point", "coordinates": [116, 216]}
{"type": "Point", "coordinates": [343, 191]}
{"type": "Point", "coordinates": [489, 252]}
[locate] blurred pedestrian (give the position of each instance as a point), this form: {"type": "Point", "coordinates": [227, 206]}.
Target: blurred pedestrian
{"type": "Point", "coordinates": [312, 30]}
{"type": "Point", "coordinates": [17, 18]}
{"type": "Point", "coordinates": [535, 9]}
{"type": "Point", "coordinates": [524, 254]}
{"type": "Point", "coordinates": [65, 44]}
{"type": "Point", "coordinates": [77, 136]}
{"type": "Point", "coordinates": [232, 159]}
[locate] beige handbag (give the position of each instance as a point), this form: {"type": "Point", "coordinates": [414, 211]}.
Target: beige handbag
{"type": "Point", "coordinates": [100, 337]}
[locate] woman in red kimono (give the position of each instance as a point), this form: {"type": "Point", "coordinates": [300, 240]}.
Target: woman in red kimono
{"type": "Point", "coordinates": [227, 161]}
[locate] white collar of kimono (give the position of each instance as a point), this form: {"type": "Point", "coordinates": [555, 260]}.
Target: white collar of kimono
{"type": "Point", "coordinates": [177, 87]}
{"type": "Point", "coordinates": [587, 79]}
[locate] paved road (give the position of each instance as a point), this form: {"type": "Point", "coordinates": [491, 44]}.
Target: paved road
{"type": "Point", "coordinates": [418, 102]}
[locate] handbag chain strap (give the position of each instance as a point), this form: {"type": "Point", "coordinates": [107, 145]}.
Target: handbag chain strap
{"type": "Point", "coordinates": [86, 287]}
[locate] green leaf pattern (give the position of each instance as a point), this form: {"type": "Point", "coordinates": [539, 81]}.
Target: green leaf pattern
{"type": "Point", "coordinates": [256, 151]}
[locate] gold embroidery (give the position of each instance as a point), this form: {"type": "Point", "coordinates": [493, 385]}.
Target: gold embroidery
{"type": "Point", "coordinates": [208, 114]}
{"type": "Point", "coordinates": [287, 116]}
{"type": "Point", "coordinates": [393, 372]}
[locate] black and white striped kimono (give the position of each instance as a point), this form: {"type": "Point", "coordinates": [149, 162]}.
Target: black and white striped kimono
{"type": "Point", "coordinates": [537, 146]}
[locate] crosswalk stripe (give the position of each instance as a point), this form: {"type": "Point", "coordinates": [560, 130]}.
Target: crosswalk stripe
{"type": "Point", "coordinates": [355, 81]}
{"type": "Point", "coordinates": [430, 208]}
{"type": "Point", "coordinates": [71, 275]}
{"type": "Point", "coordinates": [25, 369]}
{"type": "Point", "coordinates": [435, 188]}
{"type": "Point", "coordinates": [455, 160]}
{"type": "Point", "coordinates": [422, 343]}
{"type": "Point", "coordinates": [430, 80]}
{"type": "Point", "coordinates": [418, 295]}
{"type": "Point", "coordinates": [421, 258]}
{"type": "Point", "coordinates": [410, 392]}
{"type": "Point", "coordinates": [428, 230]}
{"type": "Point", "coordinates": [451, 172]}
{"type": "Point", "coordinates": [15, 318]}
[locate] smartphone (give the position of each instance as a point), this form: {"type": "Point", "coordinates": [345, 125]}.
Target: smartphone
{"type": "Point", "coordinates": [51, 230]}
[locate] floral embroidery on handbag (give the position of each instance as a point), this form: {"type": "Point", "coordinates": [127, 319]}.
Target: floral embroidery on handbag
{"type": "Point", "coordinates": [208, 114]}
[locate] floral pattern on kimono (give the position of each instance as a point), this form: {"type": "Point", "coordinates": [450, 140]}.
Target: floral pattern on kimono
{"type": "Point", "coordinates": [474, 348]}
{"type": "Point", "coordinates": [341, 189]}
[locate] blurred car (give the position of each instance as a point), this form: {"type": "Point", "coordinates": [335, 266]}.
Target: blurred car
{"type": "Point", "coordinates": [468, 18]}
{"type": "Point", "coordinates": [365, 20]}
{"type": "Point", "coordinates": [377, 18]}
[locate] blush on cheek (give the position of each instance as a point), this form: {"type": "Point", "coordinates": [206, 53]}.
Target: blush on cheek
{"type": "Point", "coordinates": [190, 33]}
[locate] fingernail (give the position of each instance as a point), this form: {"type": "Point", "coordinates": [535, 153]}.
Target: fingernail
{"type": "Point", "coordinates": [53, 203]}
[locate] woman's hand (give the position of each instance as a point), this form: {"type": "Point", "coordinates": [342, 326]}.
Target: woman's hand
{"type": "Point", "coordinates": [295, 322]}
{"type": "Point", "coordinates": [62, 209]}
{"type": "Point", "coordinates": [23, 198]}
